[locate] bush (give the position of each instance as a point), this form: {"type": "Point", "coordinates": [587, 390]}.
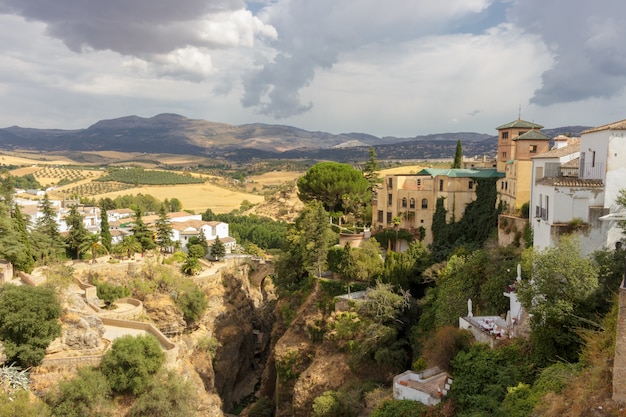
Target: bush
{"type": "Point", "coordinates": [109, 293]}
{"type": "Point", "coordinates": [192, 303]}
{"type": "Point", "coordinates": [88, 394]}
{"type": "Point", "coordinates": [131, 363]}
{"type": "Point", "coordinates": [401, 408]}
{"type": "Point", "coordinates": [168, 394]}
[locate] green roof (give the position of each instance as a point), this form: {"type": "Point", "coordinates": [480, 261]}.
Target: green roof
{"type": "Point", "coordinates": [462, 173]}
{"type": "Point", "coordinates": [519, 123]}
{"type": "Point", "coordinates": [532, 135]}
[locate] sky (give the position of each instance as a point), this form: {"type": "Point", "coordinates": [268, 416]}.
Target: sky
{"type": "Point", "coordinates": [388, 68]}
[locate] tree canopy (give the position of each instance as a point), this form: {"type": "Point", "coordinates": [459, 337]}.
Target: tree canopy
{"type": "Point", "coordinates": [337, 186]}
{"type": "Point", "coordinates": [30, 321]}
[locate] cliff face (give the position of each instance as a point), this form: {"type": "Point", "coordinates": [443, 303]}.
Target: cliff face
{"type": "Point", "coordinates": [302, 366]}
{"type": "Point", "coordinates": [239, 319]}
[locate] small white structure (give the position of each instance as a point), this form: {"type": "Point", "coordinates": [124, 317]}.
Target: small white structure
{"type": "Point", "coordinates": [427, 387]}
{"type": "Point", "coordinates": [493, 329]}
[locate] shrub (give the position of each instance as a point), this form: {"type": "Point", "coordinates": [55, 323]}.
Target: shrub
{"type": "Point", "coordinates": [88, 394]}
{"type": "Point", "coordinates": [131, 363]}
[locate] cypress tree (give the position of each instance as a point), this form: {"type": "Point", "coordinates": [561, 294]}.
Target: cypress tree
{"type": "Point", "coordinates": [458, 156]}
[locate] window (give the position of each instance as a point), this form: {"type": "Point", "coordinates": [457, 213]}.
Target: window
{"type": "Point", "coordinates": [388, 217]}
{"type": "Point", "coordinates": [504, 156]}
{"type": "Point", "coordinates": [419, 182]}
{"type": "Point", "coordinates": [593, 159]}
{"type": "Point", "coordinates": [380, 216]}
{"type": "Point", "coordinates": [390, 183]}
{"type": "Point", "coordinates": [424, 203]}
{"type": "Point", "coordinates": [471, 185]}
{"type": "Point", "coordinates": [505, 135]}
{"type": "Point", "coordinates": [404, 202]}
{"type": "Point", "coordinates": [412, 203]}
{"type": "Point", "coordinates": [389, 199]}
{"type": "Point", "coordinates": [533, 148]}
{"type": "Point", "coordinates": [440, 185]}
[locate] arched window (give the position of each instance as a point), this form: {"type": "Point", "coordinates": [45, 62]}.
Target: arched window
{"type": "Point", "coordinates": [424, 203]}
{"type": "Point", "coordinates": [404, 202]}
{"type": "Point", "coordinates": [412, 203]}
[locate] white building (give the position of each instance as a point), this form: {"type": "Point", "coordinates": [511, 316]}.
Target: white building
{"type": "Point", "coordinates": [427, 387]}
{"type": "Point", "coordinates": [583, 202]}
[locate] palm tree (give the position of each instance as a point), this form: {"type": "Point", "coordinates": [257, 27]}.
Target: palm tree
{"type": "Point", "coordinates": [92, 244]}
{"type": "Point", "coordinates": [128, 246]}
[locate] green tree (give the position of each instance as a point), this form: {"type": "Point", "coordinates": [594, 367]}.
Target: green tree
{"type": "Point", "coordinates": [191, 266]}
{"type": "Point", "coordinates": [127, 247]}
{"type": "Point", "coordinates": [168, 394]}
{"type": "Point", "coordinates": [331, 183]}
{"type": "Point", "coordinates": [77, 233]}
{"type": "Point", "coordinates": [362, 264]}
{"type": "Point", "coordinates": [192, 302]}
{"type": "Point", "coordinates": [196, 251]}
{"type": "Point", "coordinates": [163, 227]}
{"type": "Point", "coordinates": [14, 240]}
{"type": "Point", "coordinates": [92, 245]}
{"type": "Point", "coordinates": [458, 156]}
{"type": "Point", "coordinates": [218, 250]}
{"type": "Point", "coordinates": [371, 170]}
{"type": "Point", "coordinates": [175, 205]}
{"type": "Point", "coordinates": [131, 363]}
{"type": "Point", "coordinates": [30, 321]}
{"type": "Point", "coordinates": [105, 229]}
{"type": "Point", "coordinates": [87, 394]}
{"type": "Point", "coordinates": [562, 282]}
{"type": "Point", "coordinates": [47, 238]}
{"type": "Point", "coordinates": [142, 233]}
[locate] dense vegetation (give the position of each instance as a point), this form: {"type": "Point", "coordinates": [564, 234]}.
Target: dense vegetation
{"type": "Point", "coordinates": [148, 177]}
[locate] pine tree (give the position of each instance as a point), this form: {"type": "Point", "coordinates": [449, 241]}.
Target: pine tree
{"type": "Point", "coordinates": [77, 233]}
{"type": "Point", "coordinates": [218, 251]}
{"type": "Point", "coordinates": [458, 156]}
{"type": "Point", "coordinates": [371, 169]}
{"type": "Point", "coordinates": [26, 260]}
{"type": "Point", "coordinates": [142, 233]}
{"type": "Point", "coordinates": [48, 239]}
{"type": "Point", "coordinates": [163, 228]}
{"type": "Point", "coordinates": [105, 229]}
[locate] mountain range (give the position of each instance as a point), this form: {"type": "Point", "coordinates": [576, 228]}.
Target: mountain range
{"type": "Point", "coordinates": [176, 134]}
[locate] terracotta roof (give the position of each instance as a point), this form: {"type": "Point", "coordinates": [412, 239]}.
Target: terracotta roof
{"type": "Point", "coordinates": [557, 153]}
{"type": "Point", "coordinates": [195, 224]}
{"type": "Point", "coordinates": [519, 123]}
{"type": "Point", "coordinates": [571, 164]}
{"type": "Point", "coordinates": [532, 135]}
{"type": "Point", "coordinates": [620, 125]}
{"type": "Point", "coordinates": [571, 182]}
{"type": "Point", "coordinates": [179, 214]}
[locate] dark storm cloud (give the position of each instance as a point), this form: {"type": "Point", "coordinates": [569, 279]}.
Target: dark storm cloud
{"type": "Point", "coordinates": [587, 40]}
{"type": "Point", "coordinates": [135, 27]}
{"type": "Point", "coordinates": [314, 34]}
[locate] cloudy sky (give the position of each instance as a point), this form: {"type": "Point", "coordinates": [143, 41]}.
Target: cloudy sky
{"type": "Point", "coordinates": [388, 68]}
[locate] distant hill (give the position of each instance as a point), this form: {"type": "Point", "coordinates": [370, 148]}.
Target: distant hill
{"type": "Point", "coordinates": [175, 134]}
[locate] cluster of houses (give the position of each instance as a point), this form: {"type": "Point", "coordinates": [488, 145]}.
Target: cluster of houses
{"type": "Point", "coordinates": [185, 226]}
{"type": "Point", "coordinates": [569, 184]}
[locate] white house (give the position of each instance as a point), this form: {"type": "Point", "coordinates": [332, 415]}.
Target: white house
{"type": "Point", "coordinates": [583, 202]}
{"type": "Point", "coordinates": [427, 387]}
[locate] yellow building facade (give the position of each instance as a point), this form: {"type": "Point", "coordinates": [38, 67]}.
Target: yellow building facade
{"type": "Point", "coordinates": [518, 142]}
{"type": "Point", "coordinates": [412, 198]}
